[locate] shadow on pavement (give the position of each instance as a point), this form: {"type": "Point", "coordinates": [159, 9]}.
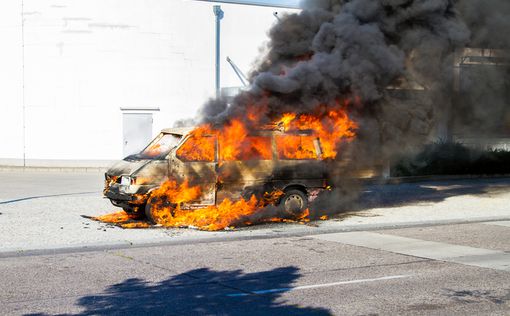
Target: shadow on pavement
{"type": "Point", "coordinates": [201, 292]}
{"type": "Point", "coordinates": [381, 196]}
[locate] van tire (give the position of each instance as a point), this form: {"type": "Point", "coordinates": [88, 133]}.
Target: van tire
{"type": "Point", "coordinates": [128, 210]}
{"type": "Point", "coordinates": [149, 214]}
{"type": "Point", "coordinates": [148, 211]}
{"type": "Point", "coordinates": [294, 202]}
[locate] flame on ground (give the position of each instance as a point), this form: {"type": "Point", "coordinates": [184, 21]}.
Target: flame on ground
{"type": "Point", "coordinates": [123, 220]}
{"type": "Point", "coordinates": [166, 203]}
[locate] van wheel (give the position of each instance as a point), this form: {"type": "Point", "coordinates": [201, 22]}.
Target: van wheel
{"type": "Point", "coordinates": [294, 201]}
{"type": "Point", "coordinates": [128, 210]}
{"type": "Point", "coordinates": [149, 212]}
{"type": "Point", "coordinates": [155, 218]}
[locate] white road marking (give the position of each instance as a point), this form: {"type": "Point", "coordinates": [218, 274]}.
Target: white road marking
{"type": "Point", "coordinates": [314, 286]}
{"type": "Point", "coordinates": [501, 223]}
{"type": "Point", "coordinates": [485, 258]}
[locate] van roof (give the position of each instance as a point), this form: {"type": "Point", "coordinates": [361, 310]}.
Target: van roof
{"type": "Point", "coordinates": [177, 130]}
{"type": "Point", "coordinates": [182, 131]}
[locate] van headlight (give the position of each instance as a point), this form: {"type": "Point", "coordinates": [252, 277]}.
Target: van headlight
{"type": "Point", "coordinates": [125, 180]}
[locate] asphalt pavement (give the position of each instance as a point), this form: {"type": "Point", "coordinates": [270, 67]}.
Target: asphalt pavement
{"type": "Point", "coordinates": [311, 275]}
{"type": "Point", "coordinates": [429, 248]}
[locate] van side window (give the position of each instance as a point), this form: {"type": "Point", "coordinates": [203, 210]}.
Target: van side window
{"type": "Point", "coordinates": [199, 149]}
{"type": "Point", "coordinates": [296, 147]}
{"type": "Point", "coordinates": [251, 148]}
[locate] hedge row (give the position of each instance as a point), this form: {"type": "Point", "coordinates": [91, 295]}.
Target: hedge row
{"type": "Point", "coordinates": [451, 158]}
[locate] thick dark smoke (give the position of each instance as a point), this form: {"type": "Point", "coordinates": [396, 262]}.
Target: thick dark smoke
{"type": "Point", "coordinates": [488, 21]}
{"type": "Point", "coordinates": [396, 56]}
{"type": "Point", "coordinates": [338, 49]}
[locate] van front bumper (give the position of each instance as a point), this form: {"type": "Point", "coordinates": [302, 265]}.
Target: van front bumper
{"type": "Point", "coordinates": [116, 196]}
{"type": "Point", "coordinates": [129, 193]}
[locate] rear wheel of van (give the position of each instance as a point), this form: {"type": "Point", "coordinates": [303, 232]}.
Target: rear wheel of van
{"type": "Point", "coordinates": [294, 202]}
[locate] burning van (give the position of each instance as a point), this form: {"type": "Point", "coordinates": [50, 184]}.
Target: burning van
{"type": "Point", "coordinates": [217, 177]}
{"type": "Point", "coordinates": [283, 168]}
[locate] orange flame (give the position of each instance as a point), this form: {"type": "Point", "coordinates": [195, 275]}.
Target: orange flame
{"type": "Point", "coordinates": [296, 147]}
{"type": "Point", "coordinates": [226, 214]}
{"type": "Point", "coordinates": [201, 146]}
{"type": "Point", "coordinates": [169, 198]}
{"type": "Point", "coordinates": [331, 128]}
{"type": "Point", "coordinates": [117, 217]}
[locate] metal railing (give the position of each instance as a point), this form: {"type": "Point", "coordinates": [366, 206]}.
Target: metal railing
{"type": "Point", "coordinates": [263, 3]}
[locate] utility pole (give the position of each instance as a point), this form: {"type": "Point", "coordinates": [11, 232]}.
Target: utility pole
{"type": "Point", "coordinates": [23, 83]}
{"type": "Point", "coordinates": [219, 15]}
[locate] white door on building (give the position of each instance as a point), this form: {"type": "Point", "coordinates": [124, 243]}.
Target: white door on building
{"type": "Point", "coordinates": [137, 132]}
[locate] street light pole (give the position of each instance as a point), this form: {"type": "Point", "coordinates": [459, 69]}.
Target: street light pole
{"type": "Point", "coordinates": [219, 15]}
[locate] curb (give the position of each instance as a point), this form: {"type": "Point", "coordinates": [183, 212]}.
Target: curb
{"type": "Point", "coordinates": [94, 247]}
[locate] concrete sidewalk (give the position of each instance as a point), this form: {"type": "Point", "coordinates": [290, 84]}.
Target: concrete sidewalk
{"type": "Point", "coordinates": [42, 213]}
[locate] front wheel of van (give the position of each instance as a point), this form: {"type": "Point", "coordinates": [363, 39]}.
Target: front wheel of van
{"type": "Point", "coordinates": [294, 202]}
{"type": "Point", "coordinates": [150, 212]}
{"type": "Point", "coordinates": [158, 211]}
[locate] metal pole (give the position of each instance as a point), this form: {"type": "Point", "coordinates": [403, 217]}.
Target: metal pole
{"type": "Point", "coordinates": [24, 119]}
{"type": "Point", "coordinates": [262, 3]}
{"type": "Point", "coordinates": [219, 15]}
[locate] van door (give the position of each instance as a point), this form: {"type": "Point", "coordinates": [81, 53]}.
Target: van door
{"type": "Point", "coordinates": [197, 161]}
{"type": "Point", "coordinates": [246, 169]}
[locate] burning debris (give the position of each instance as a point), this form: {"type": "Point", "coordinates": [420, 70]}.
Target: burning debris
{"type": "Point", "coordinates": [329, 97]}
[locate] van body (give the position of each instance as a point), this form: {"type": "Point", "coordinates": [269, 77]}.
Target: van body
{"type": "Point", "coordinates": [287, 162]}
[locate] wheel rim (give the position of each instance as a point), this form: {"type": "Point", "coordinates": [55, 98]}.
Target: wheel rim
{"type": "Point", "coordinates": [294, 202]}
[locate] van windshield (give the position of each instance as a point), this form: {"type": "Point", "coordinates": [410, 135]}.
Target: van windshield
{"type": "Point", "coordinates": [160, 146]}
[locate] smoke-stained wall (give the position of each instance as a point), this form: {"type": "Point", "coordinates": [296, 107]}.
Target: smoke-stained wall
{"type": "Point", "coordinates": [481, 104]}
{"type": "Point", "coordinates": [83, 60]}
{"type": "Point", "coordinates": [482, 108]}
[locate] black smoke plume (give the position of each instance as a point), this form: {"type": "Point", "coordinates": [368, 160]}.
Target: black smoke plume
{"type": "Point", "coordinates": [396, 56]}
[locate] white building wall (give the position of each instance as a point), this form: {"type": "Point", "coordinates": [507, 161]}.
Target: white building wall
{"type": "Point", "coordinates": [85, 59]}
{"type": "Point", "coordinates": [11, 70]}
